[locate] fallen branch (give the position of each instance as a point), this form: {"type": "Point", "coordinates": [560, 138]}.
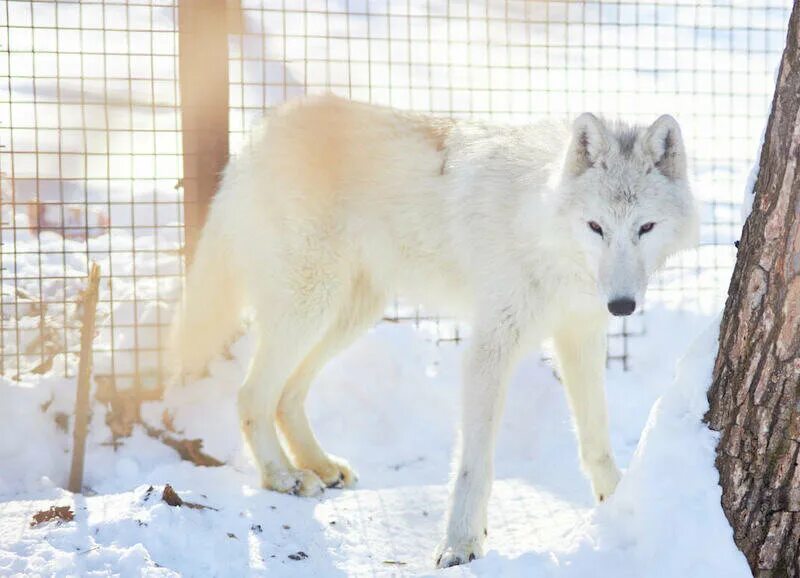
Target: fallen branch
{"type": "Point", "coordinates": [190, 450]}
{"type": "Point", "coordinates": [125, 413]}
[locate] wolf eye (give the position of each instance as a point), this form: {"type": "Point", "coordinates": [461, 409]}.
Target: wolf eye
{"type": "Point", "coordinates": [646, 228]}
{"type": "Point", "coordinates": [595, 227]}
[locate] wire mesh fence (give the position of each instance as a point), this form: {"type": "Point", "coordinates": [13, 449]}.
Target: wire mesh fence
{"type": "Point", "coordinates": [92, 163]}
{"type": "Point", "coordinates": [711, 64]}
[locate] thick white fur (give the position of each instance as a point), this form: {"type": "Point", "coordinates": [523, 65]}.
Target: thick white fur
{"type": "Point", "coordinates": [335, 207]}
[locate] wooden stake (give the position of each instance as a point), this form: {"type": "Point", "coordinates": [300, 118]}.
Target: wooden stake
{"type": "Point", "coordinates": [84, 376]}
{"type": "Point", "coordinates": [203, 74]}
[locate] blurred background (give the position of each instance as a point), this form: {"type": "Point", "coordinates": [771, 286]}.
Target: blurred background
{"type": "Point", "coordinates": [100, 161]}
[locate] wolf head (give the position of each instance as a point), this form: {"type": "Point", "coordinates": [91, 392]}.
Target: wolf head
{"type": "Point", "coordinates": [626, 198]}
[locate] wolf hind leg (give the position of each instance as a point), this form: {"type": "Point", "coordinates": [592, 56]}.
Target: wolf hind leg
{"type": "Point", "coordinates": [258, 400]}
{"type": "Point", "coordinates": [287, 329]}
{"type": "Point", "coordinates": [361, 308]}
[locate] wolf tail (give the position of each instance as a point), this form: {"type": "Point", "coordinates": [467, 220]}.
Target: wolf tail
{"type": "Point", "coordinates": [210, 311]}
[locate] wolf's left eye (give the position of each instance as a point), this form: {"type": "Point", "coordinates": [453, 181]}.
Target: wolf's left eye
{"type": "Point", "coordinates": [595, 227]}
{"type": "Point", "coordinates": [646, 228]}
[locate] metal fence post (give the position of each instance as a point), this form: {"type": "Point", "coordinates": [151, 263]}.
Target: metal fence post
{"type": "Point", "coordinates": [203, 75]}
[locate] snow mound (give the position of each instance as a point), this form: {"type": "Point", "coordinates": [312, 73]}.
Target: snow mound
{"type": "Point", "coordinates": [389, 405]}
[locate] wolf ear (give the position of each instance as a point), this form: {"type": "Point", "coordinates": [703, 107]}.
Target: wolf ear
{"type": "Point", "coordinates": [664, 143]}
{"type": "Point", "coordinates": [589, 143]}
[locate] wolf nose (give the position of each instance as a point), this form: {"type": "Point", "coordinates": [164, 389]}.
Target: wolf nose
{"type": "Point", "coordinates": [622, 306]}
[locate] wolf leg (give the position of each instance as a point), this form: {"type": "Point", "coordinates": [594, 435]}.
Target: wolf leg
{"type": "Point", "coordinates": [258, 400]}
{"type": "Point", "coordinates": [360, 310]}
{"type": "Point", "coordinates": [581, 352]}
{"type": "Point", "coordinates": [486, 370]}
{"type": "Point", "coordinates": [289, 321]}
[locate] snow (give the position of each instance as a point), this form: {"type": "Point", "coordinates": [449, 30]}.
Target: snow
{"type": "Point", "coordinates": [389, 405]}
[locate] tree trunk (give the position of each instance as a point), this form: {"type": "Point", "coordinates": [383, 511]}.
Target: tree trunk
{"type": "Point", "coordinates": [755, 393]}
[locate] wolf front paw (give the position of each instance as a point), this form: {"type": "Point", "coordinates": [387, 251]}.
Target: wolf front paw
{"type": "Point", "coordinates": [605, 476]}
{"type": "Point", "coordinates": [295, 482]}
{"type": "Point", "coordinates": [459, 553]}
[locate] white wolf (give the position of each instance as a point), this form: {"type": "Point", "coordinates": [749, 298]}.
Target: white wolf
{"type": "Point", "coordinates": [529, 232]}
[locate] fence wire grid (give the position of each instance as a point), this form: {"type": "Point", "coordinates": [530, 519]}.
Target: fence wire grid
{"type": "Point", "coordinates": [90, 131]}
{"type": "Point", "coordinates": [90, 163]}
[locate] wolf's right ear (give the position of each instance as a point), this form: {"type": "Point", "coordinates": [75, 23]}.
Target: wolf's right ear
{"type": "Point", "coordinates": [589, 144]}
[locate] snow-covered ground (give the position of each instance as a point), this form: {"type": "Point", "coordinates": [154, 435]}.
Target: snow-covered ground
{"type": "Point", "coordinates": [389, 405]}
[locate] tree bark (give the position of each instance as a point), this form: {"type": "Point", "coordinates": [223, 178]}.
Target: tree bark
{"type": "Point", "coordinates": [755, 393]}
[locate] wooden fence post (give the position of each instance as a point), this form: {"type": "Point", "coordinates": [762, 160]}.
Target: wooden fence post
{"type": "Point", "coordinates": [203, 74]}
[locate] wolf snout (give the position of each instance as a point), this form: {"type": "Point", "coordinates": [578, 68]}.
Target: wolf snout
{"type": "Point", "coordinates": [622, 306]}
